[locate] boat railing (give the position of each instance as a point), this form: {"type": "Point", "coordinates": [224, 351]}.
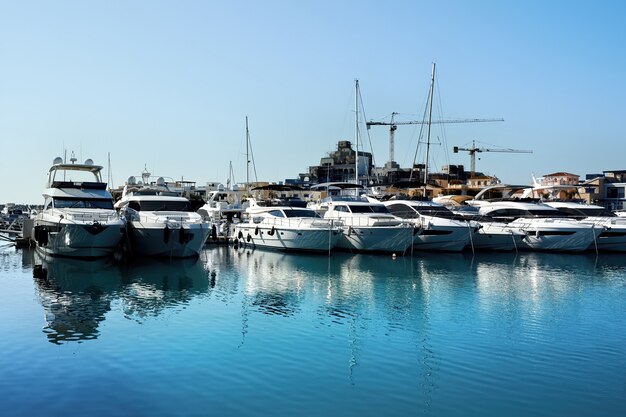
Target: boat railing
{"type": "Point", "coordinates": [183, 218]}
{"type": "Point", "coordinates": [374, 221]}
{"type": "Point", "coordinates": [90, 216]}
{"type": "Point", "coordinates": [298, 222]}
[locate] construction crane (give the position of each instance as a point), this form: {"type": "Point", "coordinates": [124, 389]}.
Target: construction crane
{"type": "Point", "coordinates": [472, 151]}
{"type": "Point", "coordinates": [393, 125]}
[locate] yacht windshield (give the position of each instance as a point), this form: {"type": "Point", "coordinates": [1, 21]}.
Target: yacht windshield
{"type": "Point", "coordinates": [65, 202]}
{"type": "Point", "coordinates": [301, 213]}
{"type": "Point", "coordinates": [163, 205]}
{"type": "Point", "coordinates": [368, 209]}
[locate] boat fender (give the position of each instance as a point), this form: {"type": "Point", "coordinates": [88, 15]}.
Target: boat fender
{"type": "Point", "coordinates": [240, 235]}
{"type": "Point", "coordinates": [166, 234]}
{"type": "Point", "coordinates": [256, 231]}
{"type": "Point", "coordinates": [213, 232]}
{"type": "Point", "coordinates": [272, 231]}
{"type": "Point", "coordinates": [41, 235]}
{"type": "Point", "coordinates": [248, 238]}
{"type": "Point", "coordinates": [349, 230]}
{"type": "Point", "coordinates": [181, 236]}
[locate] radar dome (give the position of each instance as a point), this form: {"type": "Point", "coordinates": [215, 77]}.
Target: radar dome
{"type": "Point", "coordinates": [57, 160]}
{"type": "Point", "coordinates": [132, 180]}
{"type": "Point", "coordinates": [89, 162]}
{"type": "Point", "coordinates": [161, 181]}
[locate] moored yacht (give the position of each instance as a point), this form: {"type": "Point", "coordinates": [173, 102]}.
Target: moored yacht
{"type": "Point", "coordinates": [222, 209]}
{"type": "Point", "coordinates": [491, 235]}
{"type": "Point", "coordinates": [437, 230]}
{"type": "Point", "coordinates": [161, 222]}
{"type": "Point", "coordinates": [567, 200]}
{"type": "Point", "coordinates": [545, 228]}
{"type": "Point", "coordinates": [368, 226]}
{"type": "Point", "coordinates": [78, 218]}
{"type": "Point", "coordinates": [285, 227]}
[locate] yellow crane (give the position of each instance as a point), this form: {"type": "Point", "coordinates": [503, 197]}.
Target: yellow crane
{"type": "Point", "coordinates": [473, 150]}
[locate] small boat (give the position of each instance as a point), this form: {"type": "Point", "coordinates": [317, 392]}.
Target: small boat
{"type": "Point", "coordinates": [161, 222]}
{"type": "Point", "coordinates": [286, 227]}
{"type": "Point", "coordinates": [78, 218]}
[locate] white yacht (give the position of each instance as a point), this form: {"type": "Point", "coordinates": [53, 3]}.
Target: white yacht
{"type": "Point", "coordinates": [437, 230]}
{"type": "Point", "coordinates": [222, 209]}
{"type": "Point", "coordinates": [567, 200]}
{"type": "Point", "coordinates": [161, 222]}
{"type": "Point", "coordinates": [545, 227]}
{"type": "Point", "coordinates": [287, 228]}
{"type": "Point", "coordinates": [368, 226]}
{"type": "Point", "coordinates": [491, 235]}
{"type": "Point", "coordinates": [613, 238]}
{"type": "Point", "coordinates": [78, 218]}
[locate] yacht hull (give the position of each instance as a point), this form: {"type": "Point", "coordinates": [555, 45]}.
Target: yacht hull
{"type": "Point", "coordinates": [284, 238]}
{"type": "Point", "coordinates": [443, 238]}
{"type": "Point", "coordinates": [496, 238]}
{"type": "Point", "coordinates": [557, 236]}
{"type": "Point", "coordinates": [165, 241]}
{"type": "Point", "coordinates": [395, 239]}
{"type": "Point", "coordinates": [80, 240]}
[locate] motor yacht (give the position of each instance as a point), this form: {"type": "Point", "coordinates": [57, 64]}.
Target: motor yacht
{"type": "Point", "coordinates": [285, 227]}
{"type": "Point", "coordinates": [437, 229]}
{"type": "Point", "coordinates": [368, 226]}
{"type": "Point", "coordinates": [78, 218]}
{"type": "Point", "coordinates": [545, 228]}
{"type": "Point", "coordinates": [161, 222]}
{"type": "Point", "coordinates": [222, 209]}
{"type": "Point", "coordinates": [568, 201]}
{"type": "Point", "coordinates": [491, 235]}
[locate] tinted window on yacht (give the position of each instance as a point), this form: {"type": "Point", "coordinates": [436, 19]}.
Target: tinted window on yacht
{"type": "Point", "coordinates": [368, 209]}
{"type": "Point", "coordinates": [301, 213]}
{"type": "Point", "coordinates": [275, 213]}
{"type": "Point", "coordinates": [164, 206]}
{"type": "Point", "coordinates": [61, 202]}
{"type": "Point", "coordinates": [547, 213]}
{"type": "Point", "coordinates": [599, 212]}
{"type": "Point", "coordinates": [436, 211]}
{"type": "Point", "coordinates": [510, 213]}
{"type": "Point", "coordinates": [402, 210]}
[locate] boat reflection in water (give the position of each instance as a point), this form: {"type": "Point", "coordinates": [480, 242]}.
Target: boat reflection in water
{"type": "Point", "coordinates": [441, 332]}
{"type": "Point", "coordinates": [77, 294]}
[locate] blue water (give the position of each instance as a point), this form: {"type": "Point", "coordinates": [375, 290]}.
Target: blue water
{"type": "Point", "coordinates": [239, 333]}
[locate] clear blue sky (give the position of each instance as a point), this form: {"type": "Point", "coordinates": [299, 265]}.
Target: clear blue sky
{"type": "Point", "coordinates": [167, 84]}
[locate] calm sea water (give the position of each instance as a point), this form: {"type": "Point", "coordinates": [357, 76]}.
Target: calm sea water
{"type": "Point", "coordinates": [265, 333]}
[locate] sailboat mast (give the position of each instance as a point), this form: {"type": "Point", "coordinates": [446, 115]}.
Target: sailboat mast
{"type": "Point", "coordinates": [430, 114]}
{"type": "Point", "coordinates": [247, 158]}
{"type": "Point", "coordinates": [356, 130]}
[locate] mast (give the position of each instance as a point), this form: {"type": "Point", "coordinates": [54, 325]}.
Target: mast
{"type": "Point", "coordinates": [430, 114]}
{"type": "Point", "coordinates": [247, 158]}
{"type": "Point", "coordinates": [356, 130]}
